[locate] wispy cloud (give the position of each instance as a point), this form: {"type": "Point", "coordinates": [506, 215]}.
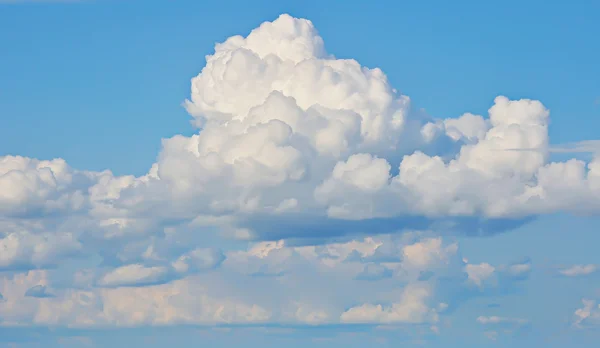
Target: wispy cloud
{"type": "Point", "coordinates": [585, 146]}
{"type": "Point", "coordinates": [494, 320]}
{"type": "Point", "coordinates": [578, 270]}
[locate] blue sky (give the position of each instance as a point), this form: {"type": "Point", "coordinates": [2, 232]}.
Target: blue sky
{"type": "Point", "coordinates": [241, 213]}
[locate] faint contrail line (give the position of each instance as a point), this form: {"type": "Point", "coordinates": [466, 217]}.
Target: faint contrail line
{"type": "Point", "coordinates": [586, 146]}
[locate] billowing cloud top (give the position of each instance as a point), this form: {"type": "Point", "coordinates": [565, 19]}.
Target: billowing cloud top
{"type": "Point", "coordinates": [295, 145]}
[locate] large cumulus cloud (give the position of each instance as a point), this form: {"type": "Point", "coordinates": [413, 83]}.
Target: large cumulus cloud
{"type": "Point", "coordinates": [290, 133]}
{"type": "Point", "coordinates": [303, 153]}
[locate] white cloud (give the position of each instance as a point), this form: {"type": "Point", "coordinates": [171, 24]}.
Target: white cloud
{"type": "Point", "coordinates": [478, 274]}
{"type": "Point", "coordinates": [588, 315]}
{"type": "Point", "coordinates": [132, 275]}
{"type": "Point", "coordinates": [585, 146]}
{"type": "Point", "coordinates": [182, 301]}
{"type": "Point", "coordinates": [24, 249]}
{"type": "Point", "coordinates": [29, 186]}
{"type": "Point", "coordinates": [301, 152]}
{"type": "Point", "coordinates": [427, 253]}
{"type": "Point", "coordinates": [280, 285]}
{"type": "Point", "coordinates": [410, 309]}
{"type": "Point", "coordinates": [291, 133]}
{"type": "Point", "coordinates": [578, 270]}
{"type": "Point", "coordinates": [485, 276]}
{"type": "Point", "coordinates": [495, 320]}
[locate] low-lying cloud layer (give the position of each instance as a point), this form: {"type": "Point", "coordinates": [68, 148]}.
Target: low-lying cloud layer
{"type": "Point", "coordinates": [304, 154]}
{"type": "Point", "coordinates": [412, 278]}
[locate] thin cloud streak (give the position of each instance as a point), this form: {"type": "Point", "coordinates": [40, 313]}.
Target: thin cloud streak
{"type": "Point", "coordinates": [585, 146]}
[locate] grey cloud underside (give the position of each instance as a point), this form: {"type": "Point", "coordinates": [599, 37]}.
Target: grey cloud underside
{"type": "Point", "coordinates": [39, 291]}
{"type": "Point", "coordinates": [321, 229]}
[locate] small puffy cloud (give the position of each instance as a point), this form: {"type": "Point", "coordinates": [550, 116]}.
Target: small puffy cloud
{"type": "Point", "coordinates": [134, 275]}
{"type": "Point", "coordinates": [411, 308]}
{"type": "Point", "coordinates": [495, 320]}
{"type": "Point", "coordinates": [588, 315]}
{"type": "Point", "coordinates": [517, 270]}
{"type": "Point", "coordinates": [486, 276]}
{"type": "Point", "coordinates": [427, 253]}
{"type": "Point", "coordinates": [478, 274]}
{"type": "Point", "coordinates": [578, 270]}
